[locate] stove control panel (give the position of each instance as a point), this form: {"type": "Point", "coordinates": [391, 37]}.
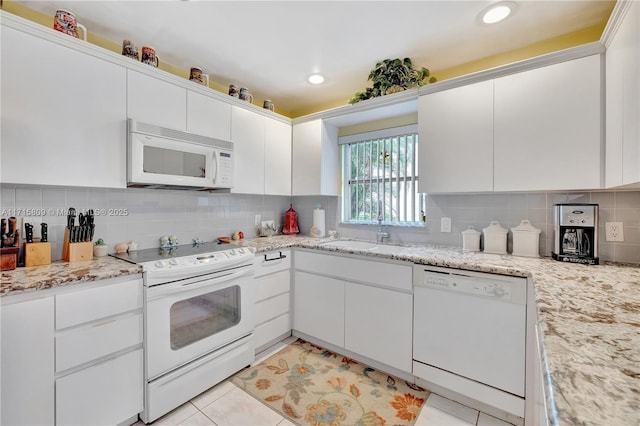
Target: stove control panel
{"type": "Point", "coordinates": [215, 260]}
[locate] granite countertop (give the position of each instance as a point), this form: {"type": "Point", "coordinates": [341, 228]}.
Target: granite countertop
{"type": "Point", "coordinates": [22, 280]}
{"type": "Point", "coordinates": [588, 317]}
{"type": "Point", "coordinates": [588, 320]}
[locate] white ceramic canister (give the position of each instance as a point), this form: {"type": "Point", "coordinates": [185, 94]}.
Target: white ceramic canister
{"type": "Point", "coordinates": [471, 239]}
{"type": "Point", "coordinates": [495, 238]}
{"type": "Point", "coordinates": [526, 240]}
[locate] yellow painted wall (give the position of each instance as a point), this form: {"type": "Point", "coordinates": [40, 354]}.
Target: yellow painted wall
{"type": "Point", "coordinates": [566, 41]}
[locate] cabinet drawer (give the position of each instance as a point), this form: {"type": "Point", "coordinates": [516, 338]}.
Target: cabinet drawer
{"type": "Point", "coordinates": [271, 285]}
{"type": "Point", "coordinates": [385, 274]}
{"type": "Point", "coordinates": [91, 304]}
{"type": "Point", "coordinates": [271, 308]}
{"type": "Point", "coordinates": [273, 261]}
{"type": "Point", "coordinates": [271, 330]}
{"type": "Point", "coordinates": [107, 393]}
{"type": "Point", "coordinates": [84, 344]}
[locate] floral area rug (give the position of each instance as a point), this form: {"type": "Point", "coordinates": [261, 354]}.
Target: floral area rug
{"type": "Point", "coordinates": [313, 386]}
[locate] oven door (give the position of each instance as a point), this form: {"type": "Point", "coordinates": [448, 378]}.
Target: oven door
{"type": "Point", "coordinates": [190, 318]}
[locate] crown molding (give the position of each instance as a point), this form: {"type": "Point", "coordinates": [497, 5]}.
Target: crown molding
{"type": "Point", "coordinates": [615, 20]}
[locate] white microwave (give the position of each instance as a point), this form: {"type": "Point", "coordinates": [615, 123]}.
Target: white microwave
{"type": "Point", "coordinates": [158, 157]}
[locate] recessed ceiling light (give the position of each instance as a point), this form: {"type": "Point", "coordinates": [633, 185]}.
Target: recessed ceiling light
{"type": "Point", "coordinates": [497, 13]}
{"type": "Point", "coordinates": [316, 79]}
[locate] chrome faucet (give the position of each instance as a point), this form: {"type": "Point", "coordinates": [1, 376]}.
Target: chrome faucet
{"type": "Point", "coordinates": [381, 235]}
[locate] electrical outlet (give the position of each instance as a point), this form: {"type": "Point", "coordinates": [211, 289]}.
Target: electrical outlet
{"type": "Point", "coordinates": [257, 220]}
{"type": "Point", "coordinates": [614, 231]}
{"type": "Point", "coordinates": [445, 224]}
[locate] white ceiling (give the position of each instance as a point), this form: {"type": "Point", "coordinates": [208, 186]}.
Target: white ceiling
{"type": "Point", "coordinates": [271, 47]}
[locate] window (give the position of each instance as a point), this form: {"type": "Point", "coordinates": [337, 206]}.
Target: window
{"type": "Point", "coordinates": [379, 177]}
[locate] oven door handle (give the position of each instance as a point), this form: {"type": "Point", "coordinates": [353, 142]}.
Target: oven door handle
{"type": "Point", "coordinates": [195, 284]}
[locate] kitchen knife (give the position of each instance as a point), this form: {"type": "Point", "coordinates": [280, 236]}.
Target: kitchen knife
{"type": "Point", "coordinates": [92, 226]}
{"type": "Point", "coordinates": [44, 234]}
{"type": "Point", "coordinates": [71, 218]}
{"type": "Point", "coordinates": [80, 232]}
{"type": "Point", "coordinates": [28, 232]}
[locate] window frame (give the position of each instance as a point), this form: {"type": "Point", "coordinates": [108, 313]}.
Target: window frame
{"type": "Point", "coordinates": [417, 203]}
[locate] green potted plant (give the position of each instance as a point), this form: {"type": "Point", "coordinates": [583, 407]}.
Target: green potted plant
{"type": "Point", "coordinates": [100, 249]}
{"type": "Point", "coordinates": [392, 76]}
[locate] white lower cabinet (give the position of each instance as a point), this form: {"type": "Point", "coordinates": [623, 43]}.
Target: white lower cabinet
{"type": "Point", "coordinates": [272, 298]}
{"type": "Point", "coordinates": [73, 357]}
{"type": "Point", "coordinates": [319, 307]}
{"type": "Point", "coordinates": [363, 306]}
{"type": "Point", "coordinates": [27, 376]}
{"type": "Point", "coordinates": [106, 393]}
{"type": "Point", "coordinates": [98, 347]}
{"type": "Point", "coordinates": [378, 324]}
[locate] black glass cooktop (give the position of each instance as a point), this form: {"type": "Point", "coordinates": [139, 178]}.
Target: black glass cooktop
{"type": "Point", "coordinates": [151, 255]}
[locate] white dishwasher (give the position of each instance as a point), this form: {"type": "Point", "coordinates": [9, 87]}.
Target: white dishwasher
{"type": "Point", "coordinates": [469, 334]}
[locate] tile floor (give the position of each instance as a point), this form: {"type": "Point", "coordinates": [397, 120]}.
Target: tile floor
{"type": "Point", "coordinates": [227, 405]}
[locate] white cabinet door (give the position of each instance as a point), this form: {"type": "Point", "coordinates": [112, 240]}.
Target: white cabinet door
{"type": "Point", "coordinates": [208, 116]}
{"type": "Point", "coordinates": [277, 158]}
{"type": "Point", "coordinates": [456, 139]}
{"type": "Point", "coordinates": [27, 363]}
{"type": "Point", "coordinates": [315, 168]}
{"type": "Point", "coordinates": [247, 135]}
{"type": "Point", "coordinates": [107, 393]}
{"type": "Point", "coordinates": [63, 115]}
{"type": "Point", "coordinates": [623, 102]}
{"type": "Point", "coordinates": [319, 307]}
{"type": "Point", "coordinates": [547, 127]}
{"type": "Point", "coordinates": [378, 324]}
{"type": "Point", "coordinates": [155, 101]}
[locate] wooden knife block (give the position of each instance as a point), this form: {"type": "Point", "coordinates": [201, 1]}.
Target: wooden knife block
{"type": "Point", "coordinates": [76, 252]}
{"type": "Point", "coordinates": [9, 258]}
{"type": "Point", "coordinates": [36, 254]}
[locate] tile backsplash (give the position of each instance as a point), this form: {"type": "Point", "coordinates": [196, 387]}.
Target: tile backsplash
{"type": "Point", "coordinates": [144, 215]}
{"type": "Point", "coordinates": [478, 210]}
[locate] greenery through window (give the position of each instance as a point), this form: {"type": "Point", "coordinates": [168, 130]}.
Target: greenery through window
{"type": "Point", "coordinates": [379, 176]}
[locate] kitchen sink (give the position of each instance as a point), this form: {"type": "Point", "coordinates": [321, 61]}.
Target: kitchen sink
{"type": "Point", "coordinates": [349, 244]}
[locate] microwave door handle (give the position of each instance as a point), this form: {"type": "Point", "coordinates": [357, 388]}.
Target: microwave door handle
{"type": "Point", "coordinates": [215, 166]}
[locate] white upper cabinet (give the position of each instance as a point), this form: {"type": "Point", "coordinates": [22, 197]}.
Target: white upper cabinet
{"type": "Point", "coordinates": [623, 100]}
{"type": "Point", "coordinates": [315, 169]}
{"type": "Point", "coordinates": [155, 101]}
{"type": "Point", "coordinates": [63, 115]}
{"type": "Point", "coordinates": [247, 135]}
{"type": "Point", "coordinates": [534, 130]}
{"type": "Point", "coordinates": [208, 116]}
{"type": "Point", "coordinates": [262, 148]}
{"type": "Point", "coordinates": [548, 127]}
{"type": "Point", "coordinates": [456, 139]}
{"type": "Point", "coordinates": [277, 157]}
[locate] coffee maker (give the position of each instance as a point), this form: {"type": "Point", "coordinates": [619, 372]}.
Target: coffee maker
{"type": "Point", "coordinates": [575, 233]}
